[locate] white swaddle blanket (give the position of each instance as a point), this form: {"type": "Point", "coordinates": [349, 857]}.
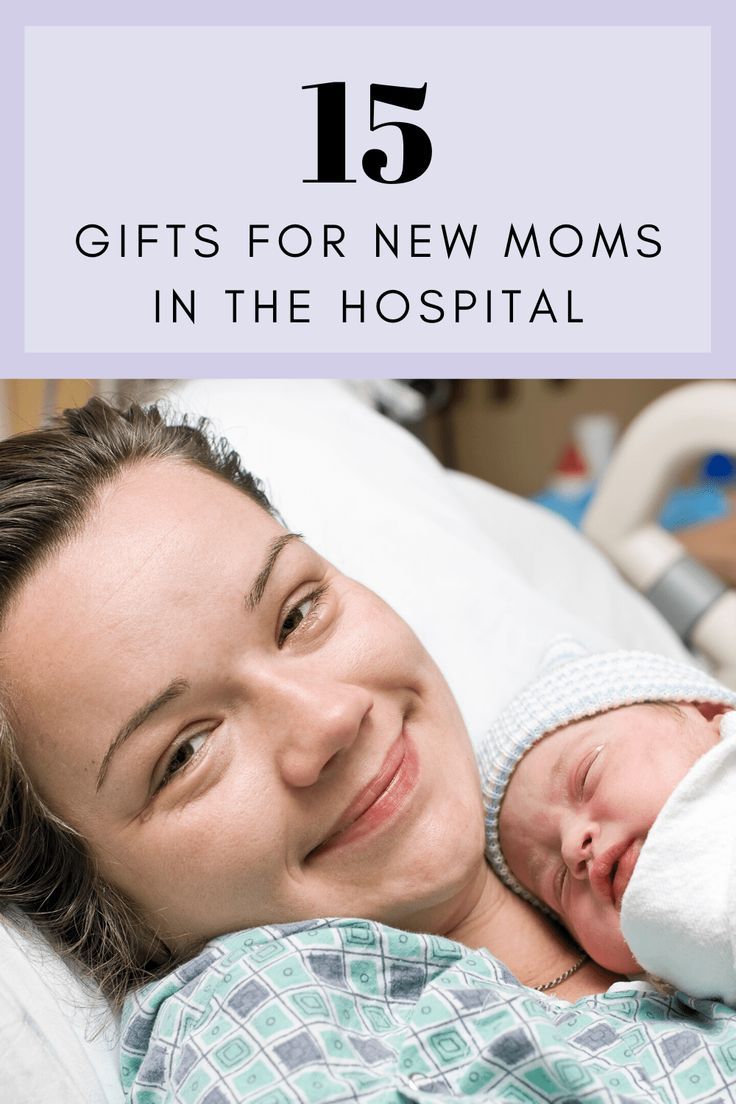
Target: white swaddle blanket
{"type": "Point", "coordinates": [678, 913]}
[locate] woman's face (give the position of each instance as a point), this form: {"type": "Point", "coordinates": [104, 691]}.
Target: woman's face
{"type": "Point", "coordinates": [243, 734]}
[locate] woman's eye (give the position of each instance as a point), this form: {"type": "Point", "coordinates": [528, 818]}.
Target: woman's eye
{"type": "Point", "coordinates": [295, 617]}
{"type": "Point", "coordinates": [300, 613]}
{"type": "Point", "coordinates": [181, 757]}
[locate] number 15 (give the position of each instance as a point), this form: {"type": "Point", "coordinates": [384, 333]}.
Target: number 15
{"type": "Point", "coordinates": [417, 148]}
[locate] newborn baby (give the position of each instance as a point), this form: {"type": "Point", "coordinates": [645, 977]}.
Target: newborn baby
{"type": "Point", "coordinates": [575, 773]}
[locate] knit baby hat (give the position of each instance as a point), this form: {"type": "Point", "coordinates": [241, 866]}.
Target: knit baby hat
{"type": "Point", "coordinates": [574, 684]}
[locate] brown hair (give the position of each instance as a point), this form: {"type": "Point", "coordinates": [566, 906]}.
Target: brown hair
{"type": "Point", "coordinates": [49, 481]}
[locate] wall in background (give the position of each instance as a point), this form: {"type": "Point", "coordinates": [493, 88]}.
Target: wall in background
{"type": "Point", "coordinates": [512, 432]}
{"type": "Point", "coordinates": [26, 402]}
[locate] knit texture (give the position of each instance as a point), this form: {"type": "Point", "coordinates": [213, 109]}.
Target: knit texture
{"type": "Point", "coordinates": [568, 690]}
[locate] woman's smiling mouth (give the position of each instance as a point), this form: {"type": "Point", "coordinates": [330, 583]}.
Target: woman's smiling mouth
{"type": "Point", "coordinates": [380, 801]}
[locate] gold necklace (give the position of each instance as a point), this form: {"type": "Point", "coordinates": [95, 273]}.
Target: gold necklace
{"type": "Point", "coordinates": [563, 977]}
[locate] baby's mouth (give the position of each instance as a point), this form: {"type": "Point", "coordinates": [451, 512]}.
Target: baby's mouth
{"type": "Point", "coordinates": [622, 869]}
{"type": "Point", "coordinates": [610, 873]}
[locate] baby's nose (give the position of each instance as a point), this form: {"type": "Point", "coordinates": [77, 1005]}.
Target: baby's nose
{"type": "Point", "coordinates": [577, 850]}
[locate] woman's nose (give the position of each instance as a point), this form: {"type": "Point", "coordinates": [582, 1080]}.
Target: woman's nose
{"type": "Point", "coordinates": [313, 721]}
{"type": "Point", "coordinates": [577, 847]}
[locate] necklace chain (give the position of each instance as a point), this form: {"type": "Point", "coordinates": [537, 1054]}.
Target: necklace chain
{"type": "Point", "coordinates": [563, 977]}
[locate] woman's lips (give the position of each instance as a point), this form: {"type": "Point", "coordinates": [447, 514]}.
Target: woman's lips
{"type": "Point", "coordinates": [382, 799]}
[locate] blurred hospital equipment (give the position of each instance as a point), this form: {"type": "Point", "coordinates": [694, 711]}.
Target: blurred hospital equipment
{"type": "Point", "coordinates": [677, 429]}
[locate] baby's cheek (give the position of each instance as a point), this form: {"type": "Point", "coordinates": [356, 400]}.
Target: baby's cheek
{"type": "Point", "coordinates": [567, 919]}
{"type": "Point", "coordinates": [618, 958]}
{"type": "Point", "coordinates": [600, 935]}
{"type": "Point", "coordinates": [514, 845]}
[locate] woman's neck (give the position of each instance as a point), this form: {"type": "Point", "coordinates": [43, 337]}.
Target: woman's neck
{"type": "Point", "coordinates": [525, 940]}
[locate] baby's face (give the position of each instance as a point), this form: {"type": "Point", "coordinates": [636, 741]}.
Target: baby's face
{"type": "Point", "coordinates": [579, 807]}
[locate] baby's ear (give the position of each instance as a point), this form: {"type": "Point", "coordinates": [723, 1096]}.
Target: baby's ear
{"type": "Point", "coordinates": [709, 710]}
{"type": "Point", "coordinates": [562, 649]}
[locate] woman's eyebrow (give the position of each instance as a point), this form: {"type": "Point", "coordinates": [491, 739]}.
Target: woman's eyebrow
{"type": "Point", "coordinates": [177, 686]}
{"type": "Point", "coordinates": [255, 593]}
{"type": "Point", "coordinates": [174, 690]}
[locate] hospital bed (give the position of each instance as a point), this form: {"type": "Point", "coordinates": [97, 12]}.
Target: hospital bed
{"type": "Point", "coordinates": [485, 578]}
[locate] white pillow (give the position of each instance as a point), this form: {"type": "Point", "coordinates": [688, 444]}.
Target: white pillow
{"type": "Point", "coordinates": [58, 1041]}
{"type": "Point", "coordinates": [556, 560]}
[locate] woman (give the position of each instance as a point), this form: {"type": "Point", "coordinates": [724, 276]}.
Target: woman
{"type": "Point", "coordinates": [195, 692]}
{"type": "Point", "coordinates": [207, 728]}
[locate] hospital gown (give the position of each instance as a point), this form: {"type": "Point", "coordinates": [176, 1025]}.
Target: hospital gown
{"type": "Point", "coordinates": [352, 1010]}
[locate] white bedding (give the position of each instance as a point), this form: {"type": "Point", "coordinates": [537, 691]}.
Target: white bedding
{"type": "Point", "coordinates": [57, 1041]}
{"type": "Point", "coordinates": [678, 913]}
{"type": "Point", "coordinates": [485, 578]}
